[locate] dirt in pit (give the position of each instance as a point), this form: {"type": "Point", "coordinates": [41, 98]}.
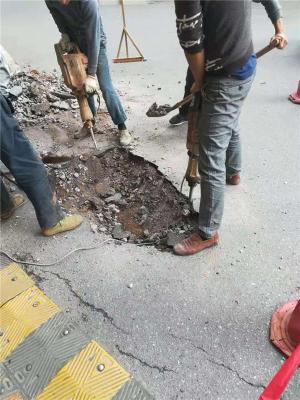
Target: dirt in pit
{"type": "Point", "coordinates": [125, 196]}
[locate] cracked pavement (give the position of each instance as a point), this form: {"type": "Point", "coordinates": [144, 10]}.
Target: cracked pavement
{"type": "Point", "coordinates": [191, 328]}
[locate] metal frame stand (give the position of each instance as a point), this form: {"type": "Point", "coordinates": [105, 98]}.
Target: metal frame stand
{"type": "Point", "coordinates": [127, 37]}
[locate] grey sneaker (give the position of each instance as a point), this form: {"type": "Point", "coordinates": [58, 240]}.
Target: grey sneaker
{"type": "Point", "coordinates": [125, 137]}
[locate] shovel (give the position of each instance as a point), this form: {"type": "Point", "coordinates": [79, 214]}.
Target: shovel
{"type": "Point", "coordinates": [161, 111]}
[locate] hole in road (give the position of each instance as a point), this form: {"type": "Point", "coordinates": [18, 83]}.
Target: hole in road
{"type": "Point", "coordinates": [126, 197]}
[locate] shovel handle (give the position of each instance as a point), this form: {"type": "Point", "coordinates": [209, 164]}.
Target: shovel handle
{"type": "Point", "coordinates": [268, 48]}
{"type": "Point", "coordinates": [260, 53]}
{"type": "Point", "coordinates": [180, 103]}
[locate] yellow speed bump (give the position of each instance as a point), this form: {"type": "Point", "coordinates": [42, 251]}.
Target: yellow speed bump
{"type": "Point", "coordinates": [91, 375]}
{"type": "Point", "coordinates": [13, 281]}
{"type": "Point", "coordinates": [21, 316]}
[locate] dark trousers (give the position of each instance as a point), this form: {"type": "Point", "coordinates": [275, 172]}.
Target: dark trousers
{"type": "Point", "coordinates": [29, 172]}
{"type": "Point", "coordinates": [189, 80]}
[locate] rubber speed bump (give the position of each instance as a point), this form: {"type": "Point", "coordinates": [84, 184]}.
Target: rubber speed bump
{"type": "Point", "coordinates": [13, 282]}
{"type": "Point", "coordinates": [21, 316]}
{"type": "Point", "coordinates": [8, 390]}
{"type": "Point", "coordinates": [92, 375]}
{"type": "Point", "coordinates": [132, 390]}
{"type": "Point", "coordinates": [38, 359]}
{"type": "Point", "coordinates": [44, 355]}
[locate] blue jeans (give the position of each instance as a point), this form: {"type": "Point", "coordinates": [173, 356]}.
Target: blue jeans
{"type": "Point", "coordinates": [111, 97]}
{"type": "Point", "coordinates": [26, 167]}
{"type": "Point", "coordinates": [220, 146]}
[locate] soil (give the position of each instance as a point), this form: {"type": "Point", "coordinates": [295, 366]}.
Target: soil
{"type": "Point", "coordinates": [125, 196]}
{"type": "Point", "coordinates": [122, 194]}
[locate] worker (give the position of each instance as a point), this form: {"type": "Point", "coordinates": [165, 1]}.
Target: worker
{"type": "Point", "coordinates": [216, 38]}
{"type": "Point", "coordinates": [30, 174]}
{"type": "Point", "coordinates": [80, 22]}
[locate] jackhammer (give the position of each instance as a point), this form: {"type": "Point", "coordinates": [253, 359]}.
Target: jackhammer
{"type": "Point", "coordinates": [74, 74]}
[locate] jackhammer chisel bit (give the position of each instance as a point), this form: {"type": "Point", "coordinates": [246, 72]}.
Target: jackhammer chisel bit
{"type": "Point", "coordinates": [91, 131]}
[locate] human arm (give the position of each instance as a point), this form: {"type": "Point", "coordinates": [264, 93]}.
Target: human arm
{"type": "Point", "coordinates": [189, 24]}
{"type": "Point", "coordinates": [274, 11]}
{"type": "Point", "coordinates": [280, 35]}
{"type": "Point", "coordinates": [196, 63]}
{"type": "Point", "coordinates": [60, 22]}
{"type": "Point", "coordinates": [92, 22]}
{"type": "Point", "coordinates": [58, 18]}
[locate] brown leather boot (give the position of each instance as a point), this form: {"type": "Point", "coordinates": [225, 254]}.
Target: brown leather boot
{"type": "Point", "coordinates": [234, 179]}
{"type": "Point", "coordinates": [194, 244]}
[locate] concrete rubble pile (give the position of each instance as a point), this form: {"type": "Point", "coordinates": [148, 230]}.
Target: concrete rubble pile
{"type": "Point", "coordinates": [38, 97]}
{"type": "Point", "coordinates": [123, 194]}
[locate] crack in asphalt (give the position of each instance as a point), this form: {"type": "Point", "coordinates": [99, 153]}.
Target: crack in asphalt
{"type": "Point", "coordinates": [219, 364]}
{"type": "Point", "coordinates": [39, 278]}
{"type": "Point", "coordinates": [190, 341]}
{"type": "Point", "coordinates": [86, 303]}
{"type": "Point", "coordinates": [104, 313]}
{"type": "Point", "coordinates": [33, 274]}
{"type": "Point", "coordinates": [162, 370]}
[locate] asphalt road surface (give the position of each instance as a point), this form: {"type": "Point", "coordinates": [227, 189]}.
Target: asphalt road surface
{"type": "Point", "coordinates": [191, 328]}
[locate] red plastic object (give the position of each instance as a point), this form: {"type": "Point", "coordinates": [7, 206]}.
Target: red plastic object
{"type": "Point", "coordinates": [295, 97]}
{"type": "Point", "coordinates": [280, 381]}
{"type": "Point", "coordinates": [285, 327]}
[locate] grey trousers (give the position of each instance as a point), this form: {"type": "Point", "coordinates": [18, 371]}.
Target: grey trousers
{"type": "Point", "coordinates": [26, 167]}
{"type": "Point", "coordinates": [220, 146]}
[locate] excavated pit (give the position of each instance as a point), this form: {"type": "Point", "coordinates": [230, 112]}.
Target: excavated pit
{"type": "Point", "coordinates": [125, 196]}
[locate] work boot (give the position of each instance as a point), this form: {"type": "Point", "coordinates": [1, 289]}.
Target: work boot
{"type": "Point", "coordinates": [18, 200]}
{"type": "Point", "coordinates": [68, 223]}
{"type": "Point", "coordinates": [234, 179]}
{"type": "Point", "coordinates": [125, 137]}
{"type": "Point", "coordinates": [178, 119]}
{"type": "Point", "coordinates": [194, 244]}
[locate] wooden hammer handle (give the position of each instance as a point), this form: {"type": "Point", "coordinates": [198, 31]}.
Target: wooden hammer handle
{"type": "Point", "coordinates": [260, 53]}
{"type": "Point", "coordinates": [180, 103]}
{"type": "Point", "coordinates": [268, 48]}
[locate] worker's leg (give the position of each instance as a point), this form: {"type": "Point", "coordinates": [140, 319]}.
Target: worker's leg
{"type": "Point", "coordinates": [233, 153]}
{"type": "Point", "coordinates": [220, 109]}
{"type": "Point", "coordinates": [111, 97]}
{"type": "Point", "coordinates": [29, 172]}
{"type": "Point", "coordinates": [6, 200]}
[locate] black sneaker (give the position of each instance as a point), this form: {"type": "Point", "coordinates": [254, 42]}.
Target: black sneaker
{"type": "Point", "coordinates": [178, 119]}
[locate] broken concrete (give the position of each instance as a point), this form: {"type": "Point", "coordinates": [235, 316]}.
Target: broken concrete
{"type": "Point", "coordinates": [36, 94]}
{"type": "Point", "coordinates": [125, 194]}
